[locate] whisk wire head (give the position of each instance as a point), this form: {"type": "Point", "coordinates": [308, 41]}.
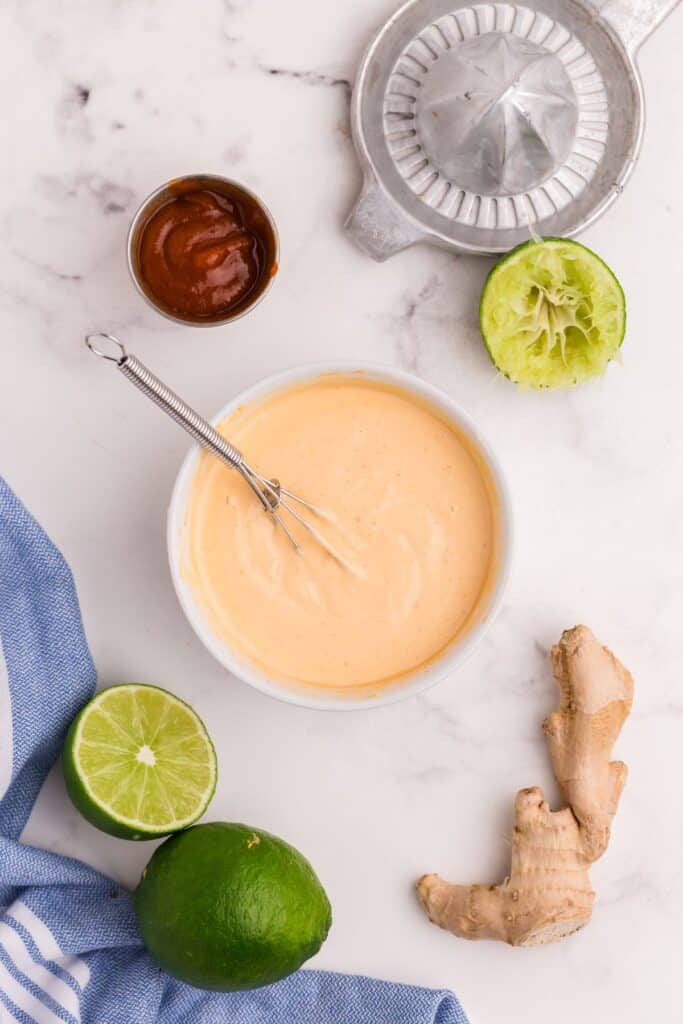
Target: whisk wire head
{"type": "Point", "coordinates": [271, 495]}
{"type": "Point", "coordinates": [282, 498]}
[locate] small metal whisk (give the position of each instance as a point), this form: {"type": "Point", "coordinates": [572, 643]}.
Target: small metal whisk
{"type": "Point", "coordinates": [270, 492]}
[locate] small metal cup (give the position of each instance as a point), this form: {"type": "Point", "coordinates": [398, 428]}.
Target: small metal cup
{"type": "Point", "coordinates": [177, 187]}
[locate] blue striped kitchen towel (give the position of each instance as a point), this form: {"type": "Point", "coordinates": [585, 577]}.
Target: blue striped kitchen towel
{"type": "Point", "coordinates": [69, 945]}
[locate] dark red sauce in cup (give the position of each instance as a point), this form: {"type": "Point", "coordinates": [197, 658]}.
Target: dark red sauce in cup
{"type": "Point", "coordinates": [206, 254]}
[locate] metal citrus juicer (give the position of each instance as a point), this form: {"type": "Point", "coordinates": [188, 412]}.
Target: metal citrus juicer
{"type": "Point", "coordinates": [474, 122]}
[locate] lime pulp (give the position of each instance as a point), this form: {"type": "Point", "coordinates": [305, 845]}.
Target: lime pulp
{"type": "Point", "coordinates": [552, 314]}
{"type": "Point", "coordinates": [139, 763]}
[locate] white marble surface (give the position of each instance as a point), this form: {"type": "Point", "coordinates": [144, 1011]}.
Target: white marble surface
{"type": "Point", "coordinates": [103, 101]}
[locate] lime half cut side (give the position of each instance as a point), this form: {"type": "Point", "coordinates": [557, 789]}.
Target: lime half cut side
{"type": "Point", "coordinates": [552, 314]}
{"type": "Point", "coordinates": [139, 763]}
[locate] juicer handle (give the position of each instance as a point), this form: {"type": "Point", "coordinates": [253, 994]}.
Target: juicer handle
{"type": "Point", "coordinates": [377, 226]}
{"type": "Point", "coordinates": [635, 20]}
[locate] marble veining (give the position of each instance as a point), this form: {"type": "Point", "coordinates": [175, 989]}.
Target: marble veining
{"type": "Point", "coordinates": [105, 101]}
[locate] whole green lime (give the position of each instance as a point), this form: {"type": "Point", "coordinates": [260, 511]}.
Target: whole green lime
{"type": "Point", "coordinates": [227, 907]}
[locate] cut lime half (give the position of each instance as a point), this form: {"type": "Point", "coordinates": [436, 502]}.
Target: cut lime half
{"type": "Point", "coordinates": [552, 314]}
{"type": "Point", "coordinates": [138, 762]}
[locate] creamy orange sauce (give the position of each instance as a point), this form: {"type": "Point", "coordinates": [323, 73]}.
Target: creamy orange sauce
{"type": "Point", "coordinates": [414, 512]}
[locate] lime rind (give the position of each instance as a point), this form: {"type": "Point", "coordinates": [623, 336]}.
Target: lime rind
{"type": "Point", "coordinates": [552, 314]}
{"type": "Point", "coordinates": [105, 770]}
{"type": "Point", "coordinates": [227, 907]}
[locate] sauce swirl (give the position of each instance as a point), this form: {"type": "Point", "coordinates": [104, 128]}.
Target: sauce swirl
{"type": "Point", "coordinates": [205, 255]}
{"type": "Point", "coordinates": [411, 505]}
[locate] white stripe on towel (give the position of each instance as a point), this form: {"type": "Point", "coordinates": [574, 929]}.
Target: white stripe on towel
{"type": "Point", "coordinates": [20, 955]}
{"type": "Point", "coordinates": [47, 944]}
{"type": "Point", "coordinates": [6, 1017]}
{"type": "Point", "coordinates": [22, 998]}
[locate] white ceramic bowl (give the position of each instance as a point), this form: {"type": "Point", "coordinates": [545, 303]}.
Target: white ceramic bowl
{"type": "Point", "coordinates": [306, 695]}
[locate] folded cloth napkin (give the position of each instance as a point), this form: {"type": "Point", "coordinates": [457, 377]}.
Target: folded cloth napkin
{"type": "Point", "coordinates": [69, 945]}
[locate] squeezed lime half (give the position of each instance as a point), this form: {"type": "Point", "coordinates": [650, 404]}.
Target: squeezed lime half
{"type": "Point", "coordinates": [139, 763]}
{"type": "Point", "coordinates": [552, 314]}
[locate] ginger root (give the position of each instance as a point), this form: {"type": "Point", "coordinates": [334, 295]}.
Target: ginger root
{"type": "Point", "coordinates": [548, 893]}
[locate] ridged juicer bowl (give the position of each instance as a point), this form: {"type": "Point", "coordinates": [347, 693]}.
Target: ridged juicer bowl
{"type": "Point", "coordinates": [324, 698]}
{"type": "Point", "coordinates": [473, 120]}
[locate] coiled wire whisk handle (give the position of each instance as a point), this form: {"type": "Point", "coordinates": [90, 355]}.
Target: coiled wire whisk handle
{"type": "Point", "coordinates": [150, 385]}
{"type": "Point", "coordinates": [273, 497]}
